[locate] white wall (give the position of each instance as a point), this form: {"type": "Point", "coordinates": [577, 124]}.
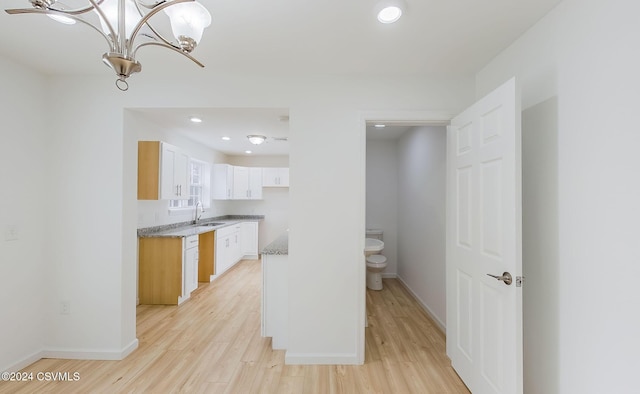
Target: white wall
{"type": "Point", "coordinates": [382, 196]}
{"type": "Point", "coordinates": [585, 53]}
{"type": "Point", "coordinates": [92, 169]}
{"type": "Point", "coordinates": [421, 217]}
{"type": "Point", "coordinates": [24, 266]}
{"type": "Point", "coordinates": [274, 204]}
{"type": "Point", "coordinates": [540, 247]}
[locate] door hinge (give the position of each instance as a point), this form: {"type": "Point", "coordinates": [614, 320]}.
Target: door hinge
{"type": "Point", "coordinates": [519, 281]}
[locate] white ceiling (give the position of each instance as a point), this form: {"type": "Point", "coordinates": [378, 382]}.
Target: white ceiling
{"type": "Point", "coordinates": [446, 38]}
{"type": "Point", "coordinates": [236, 123]}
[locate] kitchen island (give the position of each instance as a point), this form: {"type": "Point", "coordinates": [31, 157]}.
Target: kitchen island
{"type": "Point", "coordinates": [275, 291]}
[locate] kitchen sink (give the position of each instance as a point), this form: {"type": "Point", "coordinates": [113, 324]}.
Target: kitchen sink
{"type": "Point", "coordinates": [211, 224]}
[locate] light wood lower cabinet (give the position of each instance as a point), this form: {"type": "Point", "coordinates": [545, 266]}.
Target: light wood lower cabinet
{"type": "Point", "coordinates": [161, 268]}
{"type": "Point", "coordinates": [207, 260]}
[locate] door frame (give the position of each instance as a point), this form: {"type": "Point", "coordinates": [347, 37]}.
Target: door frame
{"type": "Point", "coordinates": [394, 118]}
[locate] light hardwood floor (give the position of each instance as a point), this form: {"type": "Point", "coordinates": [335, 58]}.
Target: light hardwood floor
{"type": "Point", "coordinates": [212, 344]}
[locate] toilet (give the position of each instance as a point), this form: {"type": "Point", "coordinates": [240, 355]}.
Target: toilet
{"type": "Point", "coordinates": [376, 263]}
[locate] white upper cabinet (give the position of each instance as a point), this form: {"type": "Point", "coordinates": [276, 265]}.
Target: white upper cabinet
{"type": "Point", "coordinates": [163, 171]}
{"type": "Point", "coordinates": [223, 175]}
{"type": "Point", "coordinates": [240, 183]}
{"type": "Point", "coordinates": [174, 173]}
{"type": "Point", "coordinates": [275, 177]}
{"type": "Point", "coordinates": [255, 183]}
{"type": "Point", "coordinates": [236, 183]}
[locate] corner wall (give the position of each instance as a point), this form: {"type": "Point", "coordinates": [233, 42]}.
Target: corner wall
{"type": "Point", "coordinates": [24, 266]}
{"type": "Point", "coordinates": [421, 217]}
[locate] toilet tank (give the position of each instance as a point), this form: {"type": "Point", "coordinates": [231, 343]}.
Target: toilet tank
{"type": "Point", "coordinates": [374, 233]}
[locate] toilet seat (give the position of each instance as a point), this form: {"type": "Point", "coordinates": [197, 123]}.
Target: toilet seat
{"type": "Point", "coordinates": [376, 260]}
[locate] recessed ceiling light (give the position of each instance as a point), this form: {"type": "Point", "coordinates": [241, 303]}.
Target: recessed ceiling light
{"type": "Point", "coordinates": [389, 11]}
{"type": "Point", "coordinates": [380, 126]}
{"type": "Point", "coordinates": [248, 152]}
{"type": "Point", "coordinates": [195, 119]}
{"type": "Point", "coordinates": [225, 138]}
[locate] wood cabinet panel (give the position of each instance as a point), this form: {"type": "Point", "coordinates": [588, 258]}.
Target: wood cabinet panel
{"type": "Point", "coordinates": [160, 271]}
{"type": "Point", "coordinates": [206, 262]}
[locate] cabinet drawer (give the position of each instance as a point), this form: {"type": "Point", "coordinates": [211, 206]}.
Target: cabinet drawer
{"type": "Point", "coordinates": [224, 231]}
{"type": "Point", "coordinates": [191, 241]}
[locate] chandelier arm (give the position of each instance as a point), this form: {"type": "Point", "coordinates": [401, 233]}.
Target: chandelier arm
{"type": "Point", "coordinates": [78, 11]}
{"type": "Point", "coordinates": [159, 7]}
{"type": "Point", "coordinates": [112, 42]}
{"type": "Point", "coordinates": [173, 48]}
{"type": "Point", "coordinates": [54, 12]}
{"type": "Point", "coordinates": [153, 30]}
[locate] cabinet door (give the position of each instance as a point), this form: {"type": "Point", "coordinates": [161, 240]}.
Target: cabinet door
{"type": "Point", "coordinates": [275, 177]}
{"type": "Point", "coordinates": [283, 177]}
{"type": "Point", "coordinates": [250, 239]}
{"type": "Point", "coordinates": [174, 173]}
{"type": "Point", "coordinates": [222, 182]}
{"type": "Point", "coordinates": [255, 183]}
{"type": "Point", "coordinates": [222, 254]}
{"type": "Point", "coordinates": [240, 183]}
{"type": "Point", "coordinates": [191, 271]}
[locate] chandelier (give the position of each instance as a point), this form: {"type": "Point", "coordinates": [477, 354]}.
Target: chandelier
{"type": "Point", "coordinates": [126, 27]}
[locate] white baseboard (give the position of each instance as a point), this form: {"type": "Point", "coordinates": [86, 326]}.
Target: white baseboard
{"type": "Point", "coordinates": [82, 354]}
{"type": "Point", "coordinates": [73, 355]}
{"type": "Point", "coordinates": [424, 306]}
{"type": "Point", "coordinates": [320, 359]}
{"type": "Point", "coordinates": [25, 362]}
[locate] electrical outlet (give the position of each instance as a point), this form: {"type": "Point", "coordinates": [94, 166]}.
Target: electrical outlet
{"type": "Point", "coordinates": [11, 232]}
{"type": "Point", "coordinates": [65, 308]}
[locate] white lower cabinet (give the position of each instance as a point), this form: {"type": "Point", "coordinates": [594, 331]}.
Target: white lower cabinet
{"type": "Point", "coordinates": [227, 247]}
{"type": "Point", "coordinates": [235, 242]}
{"type": "Point", "coordinates": [190, 265]}
{"type": "Point", "coordinates": [250, 240]}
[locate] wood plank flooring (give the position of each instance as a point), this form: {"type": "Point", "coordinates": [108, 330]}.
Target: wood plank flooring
{"type": "Point", "coordinates": [212, 344]}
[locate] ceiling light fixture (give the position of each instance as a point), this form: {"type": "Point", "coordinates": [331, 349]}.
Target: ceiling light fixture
{"type": "Point", "coordinates": [389, 11]}
{"type": "Point", "coordinates": [379, 126]}
{"type": "Point", "coordinates": [256, 139]}
{"type": "Point", "coordinates": [123, 22]}
{"type": "Point", "coordinates": [225, 138]}
{"type": "Point", "coordinates": [195, 119]}
{"type": "Point", "coordinates": [248, 152]}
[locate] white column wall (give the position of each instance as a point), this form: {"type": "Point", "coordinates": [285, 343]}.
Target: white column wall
{"type": "Point", "coordinates": [23, 203]}
{"type": "Point", "coordinates": [585, 53]}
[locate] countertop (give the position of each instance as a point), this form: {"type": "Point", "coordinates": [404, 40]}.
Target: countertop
{"type": "Point", "coordinates": [185, 229]}
{"type": "Point", "coordinates": [280, 246]}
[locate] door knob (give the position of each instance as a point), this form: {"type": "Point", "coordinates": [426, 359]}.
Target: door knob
{"type": "Point", "coordinates": [505, 277]}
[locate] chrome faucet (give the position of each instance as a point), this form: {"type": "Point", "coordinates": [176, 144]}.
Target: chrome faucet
{"type": "Point", "coordinates": [196, 216]}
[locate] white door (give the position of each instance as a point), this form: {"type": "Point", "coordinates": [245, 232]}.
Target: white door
{"type": "Point", "coordinates": [484, 315]}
